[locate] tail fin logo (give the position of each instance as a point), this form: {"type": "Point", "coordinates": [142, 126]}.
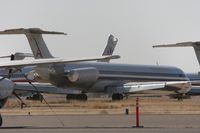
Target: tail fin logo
{"type": "Point", "coordinates": [38, 52]}
{"type": "Point", "coordinates": [109, 51]}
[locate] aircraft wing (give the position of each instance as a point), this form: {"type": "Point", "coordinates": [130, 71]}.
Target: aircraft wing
{"type": "Point", "coordinates": [22, 63]}
{"type": "Point", "coordinates": [43, 88]}
{"type": "Point", "coordinates": [131, 87]}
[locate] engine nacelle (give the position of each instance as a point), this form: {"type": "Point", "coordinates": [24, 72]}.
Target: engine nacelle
{"type": "Point", "coordinates": [6, 90]}
{"type": "Point", "coordinates": [83, 75]}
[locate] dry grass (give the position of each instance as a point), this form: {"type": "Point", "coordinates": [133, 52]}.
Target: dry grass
{"type": "Point", "coordinates": [161, 105]}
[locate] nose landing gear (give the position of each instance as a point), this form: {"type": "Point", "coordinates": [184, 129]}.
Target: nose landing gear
{"type": "Point", "coordinates": [117, 97]}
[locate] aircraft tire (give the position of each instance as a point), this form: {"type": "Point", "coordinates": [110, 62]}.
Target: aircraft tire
{"type": "Point", "coordinates": [70, 97]}
{"type": "Point", "coordinates": [82, 97]}
{"type": "Point", "coordinates": [79, 97]}
{"type": "Point", "coordinates": [117, 97]}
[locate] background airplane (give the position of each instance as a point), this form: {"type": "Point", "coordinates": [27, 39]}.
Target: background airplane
{"type": "Point", "coordinates": [24, 88]}
{"type": "Point", "coordinates": [194, 77]}
{"type": "Point", "coordinates": [7, 86]}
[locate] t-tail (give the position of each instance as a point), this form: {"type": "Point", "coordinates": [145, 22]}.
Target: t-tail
{"type": "Point", "coordinates": [195, 45]}
{"type": "Point", "coordinates": [35, 39]}
{"type": "Point", "coordinates": [110, 47]}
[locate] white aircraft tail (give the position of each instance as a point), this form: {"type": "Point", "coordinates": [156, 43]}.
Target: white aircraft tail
{"type": "Point", "coordinates": [195, 45]}
{"type": "Point", "coordinates": [35, 39]}
{"type": "Point", "coordinates": [110, 47]}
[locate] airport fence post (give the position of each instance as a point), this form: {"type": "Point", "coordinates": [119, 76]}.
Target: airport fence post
{"type": "Point", "coordinates": [137, 113]}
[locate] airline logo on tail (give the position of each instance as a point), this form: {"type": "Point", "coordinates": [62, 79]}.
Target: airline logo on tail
{"type": "Point", "coordinates": [38, 51]}
{"type": "Point", "coordinates": [110, 47]}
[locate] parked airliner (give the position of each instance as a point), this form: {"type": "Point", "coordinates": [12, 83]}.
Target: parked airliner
{"type": "Point", "coordinates": [115, 79]}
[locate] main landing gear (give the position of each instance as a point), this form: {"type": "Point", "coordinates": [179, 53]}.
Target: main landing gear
{"type": "Point", "coordinates": [117, 97]}
{"type": "Point", "coordinates": [79, 97]}
{"type": "Point", "coordinates": [35, 96]}
{"type": "Point", "coordinates": [180, 96]}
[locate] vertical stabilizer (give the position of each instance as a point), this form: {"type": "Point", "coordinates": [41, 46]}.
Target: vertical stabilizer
{"type": "Point", "coordinates": [110, 47]}
{"type": "Point", "coordinates": [196, 47]}
{"type": "Point", "coordinates": [38, 46]}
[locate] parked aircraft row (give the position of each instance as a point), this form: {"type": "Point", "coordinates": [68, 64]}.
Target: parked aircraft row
{"type": "Point", "coordinates": [85, 76]}
{"type": "Point", "coordinates": [70, 92]}
{"type": "Point", "coordinates": [115, 79]}
{"type": "Point", "coordinates": [73, 93]}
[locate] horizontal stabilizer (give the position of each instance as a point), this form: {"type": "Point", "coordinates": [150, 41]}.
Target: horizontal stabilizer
{"type": "Point", "coordinates": [182, 44]}
{"type": "Point", "coordinates": [29, 30]}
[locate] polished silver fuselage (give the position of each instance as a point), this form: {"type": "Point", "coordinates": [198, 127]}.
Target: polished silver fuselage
{"type": "Point", "coordinates": [115, 74]}
{"type": "Point", "coordinates": [109, 75]}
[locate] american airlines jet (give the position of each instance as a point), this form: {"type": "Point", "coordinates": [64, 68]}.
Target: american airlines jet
{"type": "Point", "coordinates": [115, 79]}
{"type": "Point", "coordinates": [85, 76]}
{"type": "Point", "coordinates": [24, 88]}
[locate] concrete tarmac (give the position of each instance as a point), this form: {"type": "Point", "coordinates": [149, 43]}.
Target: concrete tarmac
{"type": "Point", "coordinates": [101, 124]}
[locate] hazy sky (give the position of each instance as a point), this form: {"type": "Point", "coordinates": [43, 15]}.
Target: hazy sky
{"type": "Point", "coordinates": [138, 24]}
